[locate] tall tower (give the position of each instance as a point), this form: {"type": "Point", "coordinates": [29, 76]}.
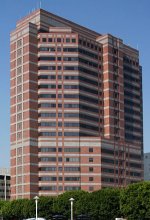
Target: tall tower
{"type": "Point", "coordinates": [75, 118]}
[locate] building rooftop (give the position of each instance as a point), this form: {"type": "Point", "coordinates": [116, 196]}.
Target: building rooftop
{"type": "Point", "coordinates": [4, 171]}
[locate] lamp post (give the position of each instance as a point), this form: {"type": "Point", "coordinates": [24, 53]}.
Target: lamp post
{"type": "Point", "coordinates": [5, 181]}
{"type": "Point", "coordinates": [36, 198]}
{"type": "Point", "coordinates": [71, 201]}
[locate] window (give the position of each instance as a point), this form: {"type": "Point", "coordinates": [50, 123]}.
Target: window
{"type": "Point", "coordinates": [84, 43]}
{"type": "Point", "coordinates": [70, 49]}
{"type": "Point", "coordinates": [19, 98]}
{"type": "Point", "coordinates": [90, 169]}
{"type": "Point", "coordinates": [19, 61]}
{"type": "Point", "coordinates": [69, 188]}
{"type": "Point", "coordinates": [106, 160]}
{"type": "Point", "coordinates": [19, 135]}
{"type": "Point", "coordinates": [71, 134]}
{"type": "Point", "coordinates": [19, 117]}
{"type": "Point", "coordinates": [19, 70]}
{"type": "Point", "coordinates": [71, 96]}
{"type": "Point", "coordinates": [91, 188]}
{"type": "Point", "coordinates": [58, 40]}
{"type": "Point", "coordinates": [90, 159]}
{"type": "Point", "coordinates": [59, 58]}
{"type": "Point", "coordinates": [48, 178]}
{"type": "Point", "coordinates": [47, 149]}
{"type": "Point", "coordinates": [73, 40]}
{"type": "Point", "coordinates": [47, 67]}
{"type": "Point", "coordinates": [47, 86]}
{"type": "Point", "coordinates": [59, 76]}
{"type": "Point", "coordinates": [70, 58]}
{"type": "Point", "coordinates": [71, 115]}
{"type": "Point", "coordinates": [108, 180]}
{"type": "Point", "coordinates": [59, 124]}
{"type": "Point", "coordinates": [48, 188]}
{"type": "Point", "coordinates": [47, 115]}
{"type": "Point", "coordinates": [58, 49]}
{"type": "Point", "coordinates": [72, 159]}
{"type": "Point", "coordinates": [72, 150]}
{"type": "Point", "coordinates": [50, 40]}
{"type": "Point", "coordinates": [107, 151]}
{"type": "Point", "coordinates": [60, 96]}
{"type": "Point", "coordinates": [71, 105]}
{"type": "Point", "coordinates": [19, 151]}
{"type": "Point", "coordinates": [72, 169]}
{"type": "Point", "coordinates": [47, 77]}
{"type": "Point", "coordinates": [19, 107]}
{"type": "Point", "coordinates": [47, 134]}
{"type": "Point", "coordinates": [19, 89]}
{"type": "Point", "coordinates": [67, 40]}
{"type": "Point", "coordinates": [60, 188]}
{"type": "Point", "coordinates": [47, 169]}
{"type": "Point", "coordinates": [87, 71]}
{"type": "Point", "coordinates": [87, 53]}
{"type": "Point", "coordinates": [70, 68]}
{"type": "Point", "coordinates": [90, 178]}
{"type": "Point", "coordinates": [46, 159]}
{"type": "Point", "coordinates": [19, 43]}
{"type": "Point", "coordinates": [47, 105]}
{"type": "Point", "coordinates": [109, 170]}
{"type": "Point", "coordinates": [47, 96]}
{"type": "Point", "coordinates": [19, 79]}
{"type": "Point", "coordinates": [80, 41]}
{"type": "Point", "coordinates": [72, 178]}
{"type": "Point", "coordinates": [90, 150]}
{"type": "Point", "coordinates": [43, 39]}
{"type": "Point", "coordinates": [19, 126]}
{"type": "Point", "coordinates": [19, 52]}
{"type": "Point", "coordinates": [47, 58]}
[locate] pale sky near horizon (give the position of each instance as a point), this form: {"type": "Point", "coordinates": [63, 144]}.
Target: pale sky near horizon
{"type": "Point", "coordinates": [127, 19]}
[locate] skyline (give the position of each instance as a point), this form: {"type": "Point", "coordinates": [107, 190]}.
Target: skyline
{"type": "Point", "coordinates": [98, 27]}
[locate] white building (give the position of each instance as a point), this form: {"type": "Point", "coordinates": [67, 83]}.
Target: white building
{"type": "Point", "coordinates": [4, 184]}
{"type": "Point", "coordinates": [147, 166]}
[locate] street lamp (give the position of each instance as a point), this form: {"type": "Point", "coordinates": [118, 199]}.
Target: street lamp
{"type": "Point", "coordinates": [36, 198]}
{"type": "Point", "coordinates": [71, 201]}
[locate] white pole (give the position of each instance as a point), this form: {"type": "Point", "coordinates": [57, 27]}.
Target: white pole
{"type": "Point", "coordinates": [71, 200]}
{"type": "Point", "coordinates": [5, 187]}
{"type": "Point", "coordinates": [71, 210]}
{"type": "Point", "coordinates": [36, 207]}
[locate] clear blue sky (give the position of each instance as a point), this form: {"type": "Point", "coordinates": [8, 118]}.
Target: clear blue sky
{"type": "Point", "coordinates": [127, 19]}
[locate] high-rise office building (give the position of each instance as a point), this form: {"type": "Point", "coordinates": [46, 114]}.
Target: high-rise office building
{"type": "Point", "coordinates": [76, 108]}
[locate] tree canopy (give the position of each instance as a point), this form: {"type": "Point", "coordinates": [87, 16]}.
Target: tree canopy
{"type": "Point", "coordinates": [133, 202]}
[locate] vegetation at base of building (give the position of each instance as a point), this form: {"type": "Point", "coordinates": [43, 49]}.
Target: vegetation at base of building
{"type": "Point", "coordinates": [132, 203]}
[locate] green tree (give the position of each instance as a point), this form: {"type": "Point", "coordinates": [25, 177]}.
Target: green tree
{"type": "Point", "coordinates": [135, 201]}
{"type": "Point", "coordinates": [62, 203]}
{"type": "Point", "coordinates": [105, 204]}
{"type": "Point", "coordinates": [46, 207]}
{"type": "Point", "coordinates": [18, 209]}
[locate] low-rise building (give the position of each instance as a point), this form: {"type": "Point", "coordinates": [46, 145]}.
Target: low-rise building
{"type": "Point", "coordinates": [4, 184]}
{"type": "Point", "coordinates": [146, 166]}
